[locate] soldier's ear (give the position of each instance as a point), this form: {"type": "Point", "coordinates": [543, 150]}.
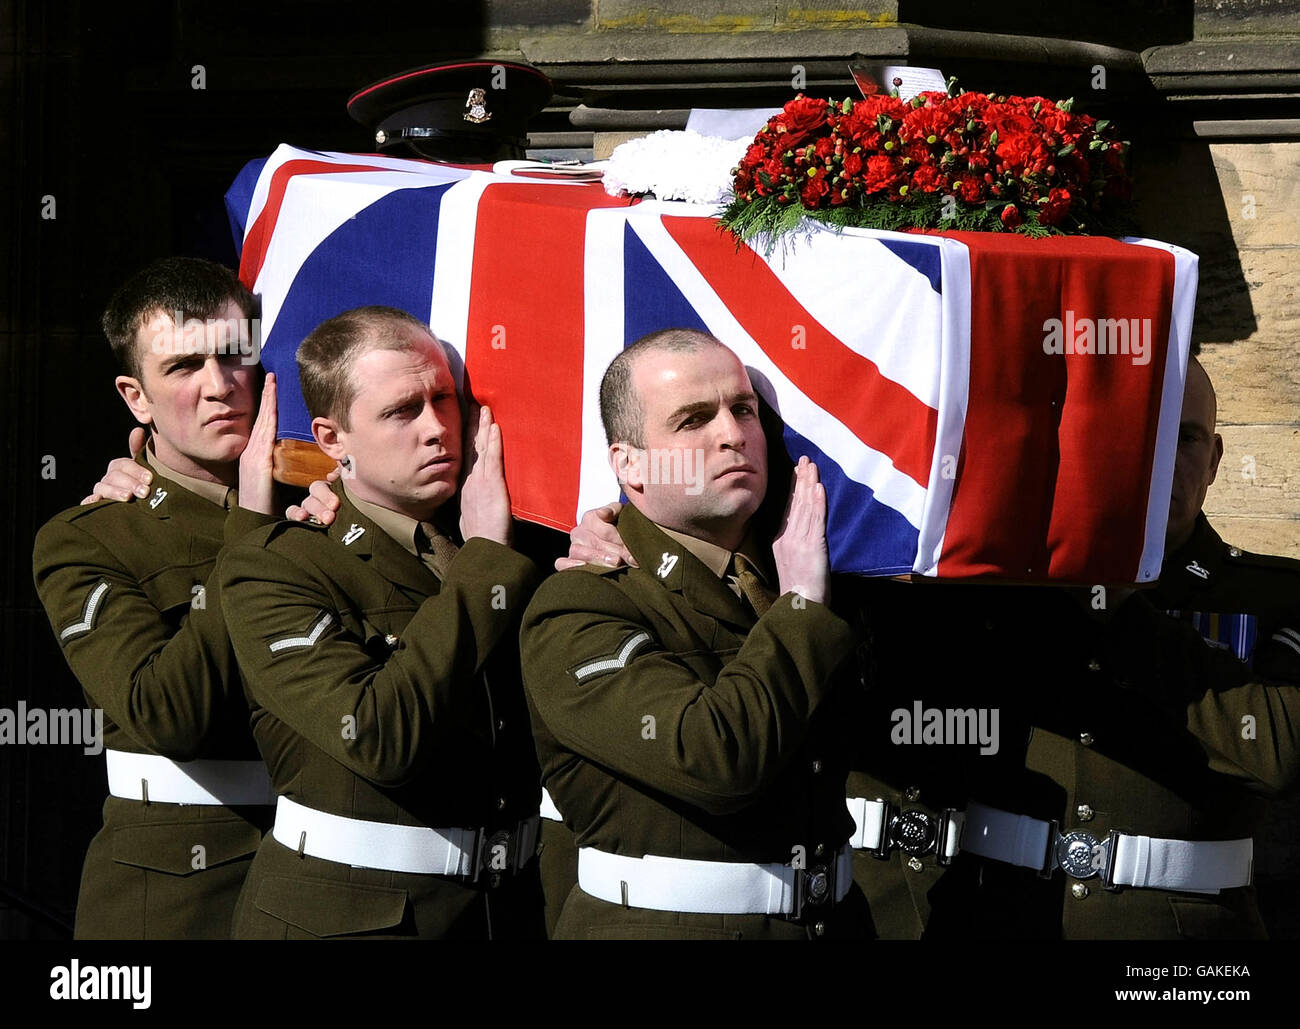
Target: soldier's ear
{"type": "Point", "coordinates": [132, 392]}
{"type": "Point", "coordinates": [1218, 456]}
{"type": "Point", "coordinates": [628, 465]}
{"type": "Point", "coordinates": [328, 437]}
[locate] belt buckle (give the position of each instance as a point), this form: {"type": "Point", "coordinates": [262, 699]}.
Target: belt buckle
{"type": "Point", "coordinates": [492, 847]}
{"type": "Point", "coordinates": [1080, 855]}
{"type": "Point", "coordinates": [913, 832]}
{"type": "Point", "coordinates": [815, 886]}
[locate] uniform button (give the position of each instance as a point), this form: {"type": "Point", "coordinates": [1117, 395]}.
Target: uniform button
{"type": "Point", "coordinates": [819, 929]}
{"type": "Point", "coordinates": [1084, 812]}
{"type": "Point", "coordinates": [1234, 552]}
{"type": "Point", "coordinates": [912, 794]}
{"type": "Point", "coordinates": [501, 724]}
{"type": "Point", "coordinates": [914, 863]}
{"type": "Point", "coordinates": [1094, 665]}
{"type": "Point", "coordinates": [501, 803]}
{"type": "Point", "coordinates": [1079, 891]}
{"type": "Point", "coordinates": [390, 640]}
{"type": "Point", "coordinates": [988, 624]}
{"type": "Point", "coordinates": [819, 850]}
{"type": "Point", "coordinates": [1086, 738]}
{"type": "Point", "coordinates": [817, 767]}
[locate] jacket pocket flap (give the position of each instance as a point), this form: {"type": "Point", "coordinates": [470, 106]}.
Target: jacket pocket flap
{"type": "Point", "coordinates": [184, 848]}
{"type": "Point", "coordinates": [330, 909]}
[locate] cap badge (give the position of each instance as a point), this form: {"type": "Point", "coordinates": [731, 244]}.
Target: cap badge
{"type": "Point", "coordinates": [476, 107]}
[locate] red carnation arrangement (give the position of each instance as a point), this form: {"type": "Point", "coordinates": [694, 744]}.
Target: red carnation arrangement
{"type": "Point", "coordinates": [940, 160]}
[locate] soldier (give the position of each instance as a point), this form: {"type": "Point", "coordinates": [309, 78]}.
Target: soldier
{"type": "Point", "coordinates": [130, 592]}
{"type": "Point", "coordinates": [1119, 735]}
{"type": "Point", "coordinates": [381, 664]}
{"type": "Point", "coordinates": [686, 718]}
{"type": "Point", "coordinates": [1125, 740]}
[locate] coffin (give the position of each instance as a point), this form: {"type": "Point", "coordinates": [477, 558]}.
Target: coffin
{"type": "Point", "coordinates": [978, 404]}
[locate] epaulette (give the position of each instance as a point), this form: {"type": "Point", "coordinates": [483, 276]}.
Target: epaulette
{"type": "Point", "coordinates": [1240, 557]}
{"type": "Point", "coordinates": [595, 569]}
{"type": "Point", "coordinates": [268, 534]}
{"type": "Point", "coordinates": [72, 514]}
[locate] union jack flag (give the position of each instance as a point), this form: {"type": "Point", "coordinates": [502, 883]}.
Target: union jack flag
{"type": "Point", "coordinates": [916, 370]}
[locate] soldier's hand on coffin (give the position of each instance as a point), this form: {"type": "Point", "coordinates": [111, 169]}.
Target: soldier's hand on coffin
{"type": "Point", "coordinates": [320, 505]}
{"type": "Point", "coordinates": [256, 484]}
{"type": "Point", "coordinates": [595, 541]}
{"type": "Point", "coordinates": [803, 563]}
{"type": "Point", "coordinates": [484, 500]}
{"type": "Point", "coordinates": [124, 477]}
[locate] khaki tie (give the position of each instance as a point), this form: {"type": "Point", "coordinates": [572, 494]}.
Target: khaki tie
{"type": "Point", "coordinates": [436, 550]}
{"type": "Point", "coordinates": [751, 585]}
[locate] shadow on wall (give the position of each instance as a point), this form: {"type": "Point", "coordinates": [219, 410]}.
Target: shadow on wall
{"type": "Point", "coordinates": [1179, 198]}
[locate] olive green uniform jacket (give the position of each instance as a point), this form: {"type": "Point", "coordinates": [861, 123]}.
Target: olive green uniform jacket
{"type": "Point", "coordinates": [130, 591]}
{"type": "Point", "coordinates": [671, 722]}
{"type": "Point", "coordinates": [379, 693]}
{"type": "Point", "coordinates": [1134, 724]}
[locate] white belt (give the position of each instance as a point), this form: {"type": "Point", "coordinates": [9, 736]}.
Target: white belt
{"type": "Point", "coordinates": [549, 810]}
{"type": "Point", "coordinates": [402, 848]}
{"type": "Point", "coordinates": [711, 887]}
{"type": "Point", "coordinates": [152, 778]}
{"type": "Point", "coordinates": [1122, 859]}
{"type": "Point", "coordinates": [877, 826]}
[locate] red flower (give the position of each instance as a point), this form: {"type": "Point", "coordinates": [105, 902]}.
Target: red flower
{"type": "Point", "coordinates": [860, 126]}
{"type": "Point", "coordinates": [978, 147]}
{"type": "Point", "coordinates": [799, 121]}
{"type": "Point", "coordinates": [927, 179]}
{"type": "Point", "coordinates": [1057, 206]}
{"type": "Point", "coordinates": [882, 173]}
{"type": "Point", "coordinates": [816, 188]}
{"type": "Point", "coordinates": [753, 155]}
{"type": "Point", "coordinates": [918, 152]}
{"type": "Point", "coordinates": [969, 188]}
{"type": "Point", "coordinates": [804, 114]}
{"type": "Point", "coordinates": [920, 123]}
{"type": "Point", "coordinates": [1022, 153]}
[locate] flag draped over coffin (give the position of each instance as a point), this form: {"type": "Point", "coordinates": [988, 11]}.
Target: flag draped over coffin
{"type": "Point", "coordinates": [912, 368]}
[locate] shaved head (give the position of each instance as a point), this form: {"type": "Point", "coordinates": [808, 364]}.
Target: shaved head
{"type": "Point", "coordinates": [1198, 395]}
{"type": "Point", "coordinates": [1199, 451]}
